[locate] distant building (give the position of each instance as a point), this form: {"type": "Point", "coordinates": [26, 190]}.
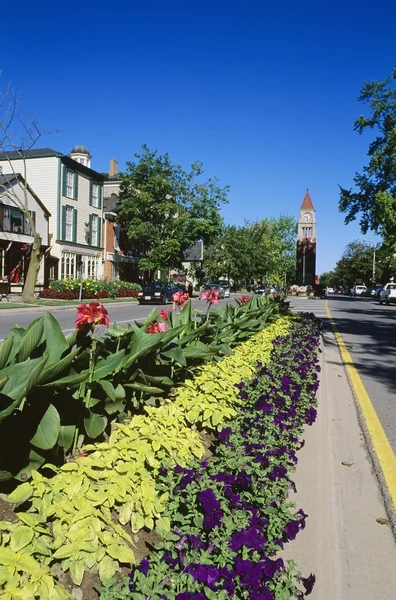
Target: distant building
{"type": "Point", "coordinates": [306, 243]}
{"type": "Point", "coordinates": [15, 232]}
{"type": "Point", "coordinates": [120, 258]}
{"type": "Point", "coordinates": [72, 192]}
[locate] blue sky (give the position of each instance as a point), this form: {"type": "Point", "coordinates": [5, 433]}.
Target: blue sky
{"type": "Point", "coordinates": [264, 94]}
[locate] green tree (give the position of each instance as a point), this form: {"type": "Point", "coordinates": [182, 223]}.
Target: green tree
{"type": "Point", "coordinates": [165, 209]}
{"type": "Point", "coordinates": [375, 197]}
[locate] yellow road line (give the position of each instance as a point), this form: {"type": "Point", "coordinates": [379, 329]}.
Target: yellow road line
{"type": "Point", "coordinates": [382, 448]}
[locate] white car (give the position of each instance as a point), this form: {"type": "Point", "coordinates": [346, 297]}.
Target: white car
{"type": "Point", "coordinates": [358, 290]}
{"type": "Point", "coordinates": [388, 294]}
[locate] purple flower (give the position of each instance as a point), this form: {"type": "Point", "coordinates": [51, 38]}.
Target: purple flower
{"type": "Point", "coordinates": [249, 573]}
{"type": "Point", "coordinates": [224, 434]}
{"type": "Point", "coordinates": [250, 538]}
{"type": "Point", "coordinates": [244, 395]}
{"type": "Point", "coordinates": [144, 566]}
{"type": "Point", "coordinates": [228, 583]}
{"type": "Point", "coordinates": [243, 481]}
{"type": "Point", "coordinates": [169, 560]}
{"type": "Point", "coordinates": [272, 566]}
{"type": "Point", "coordinates": [207, 574]}
{"type": "Point", "coordinates": [308, 583]}
{"type": "Point", "coordinates": [291, 529]}
{"type": "Point", "coordinates": [310, 415]}
{"type": "Point", "coordinates": [196, 542]}
{"type": "Point", "coordinates": [213, 519]}
{"type": "Point", "coordinates": [266, 407]}
{"type": "Point", "coordinates": [278, 472]}
{"type": "Point", "coordinates": [208, 500]}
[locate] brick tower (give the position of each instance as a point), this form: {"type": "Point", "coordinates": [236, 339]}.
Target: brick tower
{"type": "Point", "coordinates": [306, 243]}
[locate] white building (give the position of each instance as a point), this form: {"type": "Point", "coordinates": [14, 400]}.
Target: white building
{"type": "Point", "coordinates": [72, 193]}
{"type": "Point", "coordinates": [15, 232]}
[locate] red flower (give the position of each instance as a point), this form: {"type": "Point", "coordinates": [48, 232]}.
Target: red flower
{"type": "Point", "coordinates": [243, 299]}
{"type": "Point", "coordinates": [180, 298]}
{"type": "Point", "coordinates": [94, 314]}
{"type": "Point", "coordinates": [164, 314]}
{"type": "Point", "coordinates": [156, 327]}
{"type": "Point", "coordinates": [211, 296]}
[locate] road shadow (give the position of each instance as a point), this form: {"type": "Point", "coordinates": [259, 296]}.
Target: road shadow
{"type": "Point", "coordinates": [369, 335]}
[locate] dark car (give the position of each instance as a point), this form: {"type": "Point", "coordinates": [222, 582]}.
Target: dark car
{"type": "Point", "coordinates": [158, 292]}
{"type": "Point", "coordinates": [215, 286]}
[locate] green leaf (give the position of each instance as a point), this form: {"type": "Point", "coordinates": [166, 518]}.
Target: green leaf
{"type": "Point", "coordinates": [48, 430]}
{"type": "Point", "coordinates": [21, 537]}
{"type": "Point", "coordinates": [175, 354]}
{"type": "Point", "coordinates": [77, 572]}
{"type": "Point", "coordinates": [21, 493]}
{"type": "Point", "coordinates": [54, 370]}
{"type": "Point", "coordinates": [108, 389]}
{"type": "Point", "coordinates": [35, 462]}
{"type": "Point", "coordinates": [107, 568]}
{"type": "Point", "coordinates": [56, 343]}
{"type": "Point", "coordinates": [31, 339]}
{"type": "Point", "coordinates": [66, 436]}
{"type": "Point", "coordinates": [95, 424]}
{"type": "Point", "coordinates": [64, 551]}
{"type": "Point", "coordinates": [71, 381]}
{"type": "Point", "coordinates": [140, 387]}
{"type": "Point", "coordinates": [5, 349]}
{"type": "Point", "coordinates": [106, 366]}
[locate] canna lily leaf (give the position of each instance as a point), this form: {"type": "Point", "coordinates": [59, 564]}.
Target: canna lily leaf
{"type": "Point", "coordinates": [94, 424]}
{"type": "Point", "coordinates": [48, 430]}
{"type": "Point", "coordinates": [30, 340]}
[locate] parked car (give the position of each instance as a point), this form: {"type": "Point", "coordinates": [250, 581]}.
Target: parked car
{"type": "Point", "coordinates": [215, 286]}
{"type": "Point", "coordinates": [370, 292]}
{"type": "Point", "coordinates": [388, 294]}
{"type": "Point", "coordinates": [358, 290]}
{"type": "Point", "coordinates": [158, 292]}
{"type": "Point", "coordinates": [225, 284]}
{"type": "Point", "coordinates": [330, 290]}
{"type": "Point", "coordinates": [264, 289]}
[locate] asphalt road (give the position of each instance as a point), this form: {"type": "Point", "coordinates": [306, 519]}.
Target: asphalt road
{"type": "Point", "coordinates": [369, 333]}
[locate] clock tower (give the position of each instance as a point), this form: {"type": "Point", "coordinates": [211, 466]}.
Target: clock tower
{"type": "Point", "coordinates": [306, 243]}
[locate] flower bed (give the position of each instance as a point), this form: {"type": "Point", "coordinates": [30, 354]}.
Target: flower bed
{"type": "Point", "coordinates": [69, 289]}
{"type": "Point", "coordinates": [230, 516]}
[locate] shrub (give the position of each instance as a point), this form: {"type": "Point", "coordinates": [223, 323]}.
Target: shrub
{"type": "Point", "coordinates": [69, 289]}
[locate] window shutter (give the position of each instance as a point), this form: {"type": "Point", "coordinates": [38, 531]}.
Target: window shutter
{"type": "Point", "coordinates": [90, 231]}
{"type": "Point", "coordinates": [100, 190]}
{"type": "Point", "coordinates": [64, 181]}
{"type": "Point", "coordinates": [99, 231]}
{"type": "Point", "coordinates": [75, 186]}
{"type": "Point", "coordinates": [63, 222]}
{"type": "Point", "coordinates": [74, 234]}
{"type": "Point", "coordinates": [90, 193]}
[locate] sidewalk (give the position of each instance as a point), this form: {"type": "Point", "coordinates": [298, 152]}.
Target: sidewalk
{"type": "Point", "coordinates": [351, 554]}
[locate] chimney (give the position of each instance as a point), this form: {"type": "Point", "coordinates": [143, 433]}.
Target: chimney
{"type": "Point", "coordinates": [113, 167]}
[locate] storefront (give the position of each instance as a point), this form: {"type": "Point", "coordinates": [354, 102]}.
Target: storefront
{"type": "Point", "coordinates": [123, 268]}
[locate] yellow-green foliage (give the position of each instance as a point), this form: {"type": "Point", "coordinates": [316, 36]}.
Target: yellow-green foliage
{"type": "Point", "coordinates": [118, 477]}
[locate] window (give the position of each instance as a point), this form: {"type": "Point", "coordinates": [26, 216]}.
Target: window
{"type": "Point", "coordinates": [94, 230]}
{"type": "Point", "coordinates": [307, 231]}
{"type": "Point", "coordinates": [13, 220]}
{"type": "Point", "coordinates": [70, 184]}
{"type": "Point", "coordinates": [95, 194]}
{"type": "Point", "coordinates": [69, 224]}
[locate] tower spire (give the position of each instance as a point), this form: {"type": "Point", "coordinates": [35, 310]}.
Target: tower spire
{"type": "Point", "coordinates": [307, 202]}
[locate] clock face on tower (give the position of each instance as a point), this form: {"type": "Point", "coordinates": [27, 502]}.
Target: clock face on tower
{"type": "Point", "coordinates": [307, 217]}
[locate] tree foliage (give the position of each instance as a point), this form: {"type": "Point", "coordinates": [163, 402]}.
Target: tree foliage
{"type": "Point", "coordinates": [375, 198]}
{"type": "Point", "coordinates": [262, 250]}
{"type": "Point", "coordinates": [357, 266]}
{"type": "Point", "coordinates": [165, 209]}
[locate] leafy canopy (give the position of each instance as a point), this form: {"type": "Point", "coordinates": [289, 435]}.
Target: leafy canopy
{"type": "Point", "coordinates": [375, 198]}
{"type": "Point", "coordinates": [165, 210]}
{"type": "Point", "coordinates": [260, 250]}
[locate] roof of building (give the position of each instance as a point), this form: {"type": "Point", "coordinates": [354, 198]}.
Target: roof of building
{"type": "Point", "coordinates": [33, 153]}
{"type": "Point", "coordinates": [80, 150]}
{"type": "Point", "coordinates": [9, 178]}
{"type": "Point", "coordinates": [111, 204]}
{"type": "Point", "coordinates": [307, 202]}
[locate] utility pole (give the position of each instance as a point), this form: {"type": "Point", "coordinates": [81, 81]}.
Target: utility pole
{"type": "Point", "coordinates": [374, 268]}
{"type": "Point", "coordinates": [303, 273]}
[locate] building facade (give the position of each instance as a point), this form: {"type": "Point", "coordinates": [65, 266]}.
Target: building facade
{"type": "Point", "coordinates": [306, 243]}
{"type": "Point", "coordinates": [72, 192]}
{"type": "Point", "coordinates": [15, 230]}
